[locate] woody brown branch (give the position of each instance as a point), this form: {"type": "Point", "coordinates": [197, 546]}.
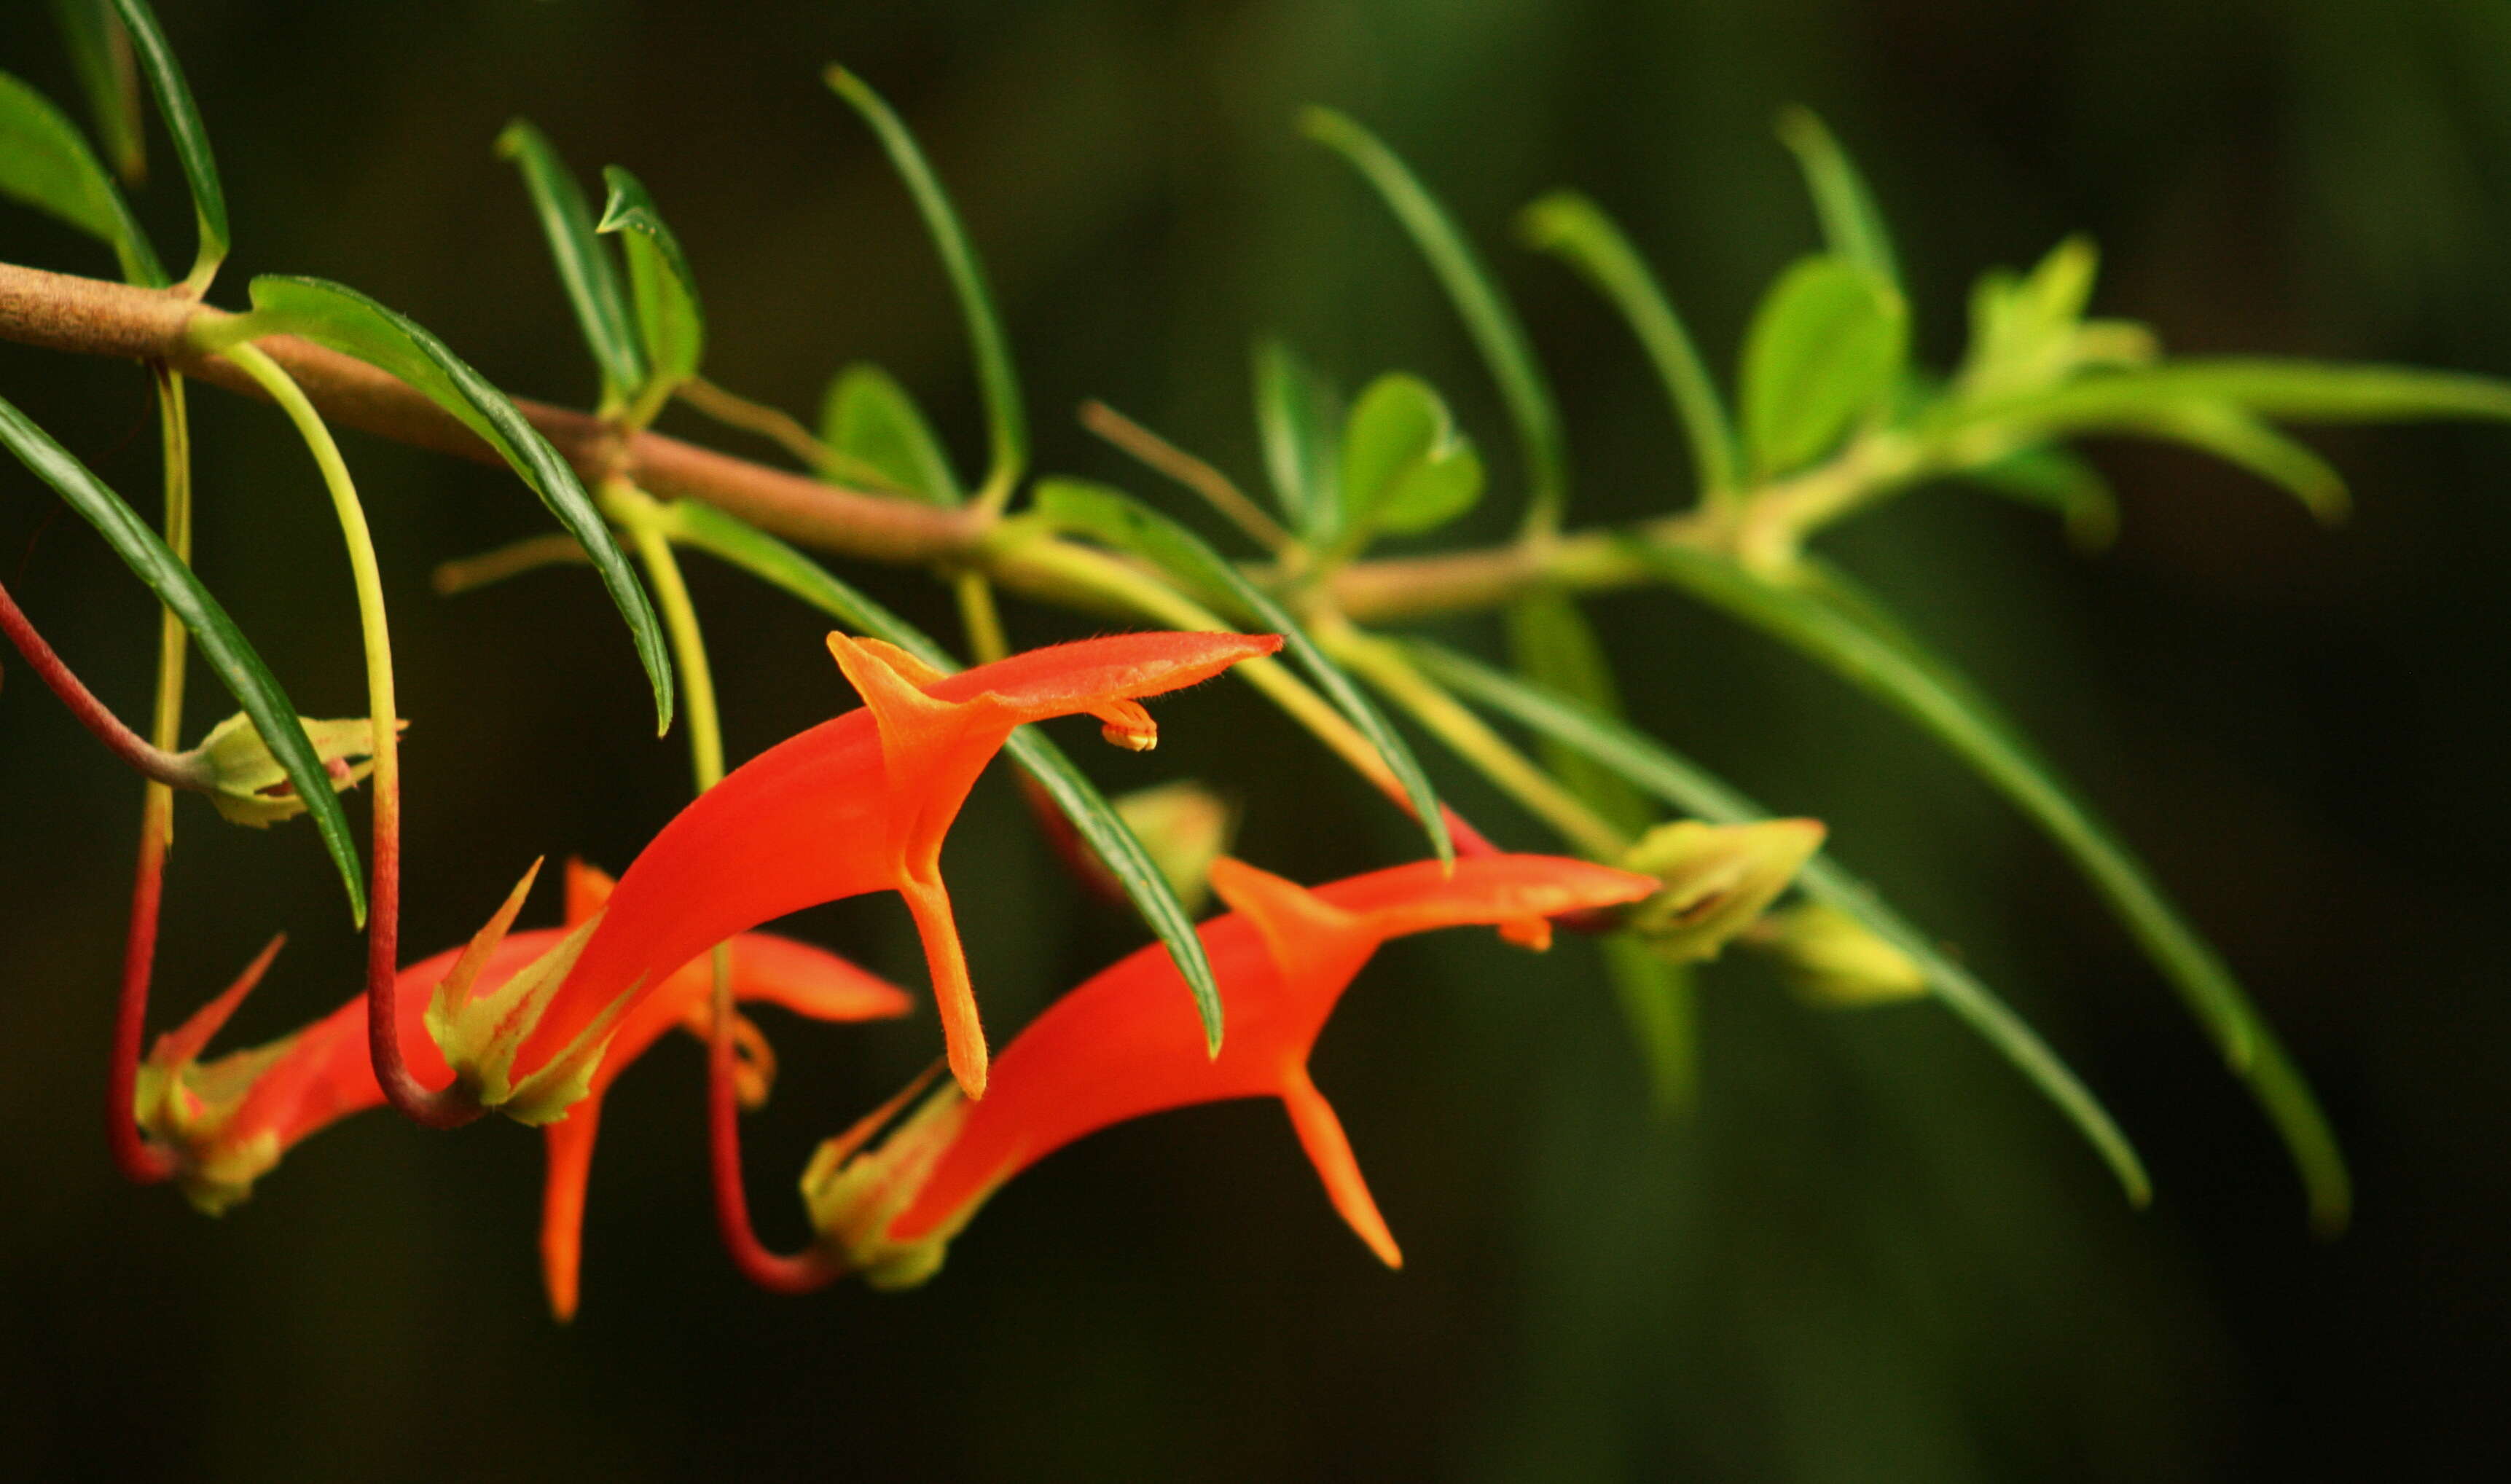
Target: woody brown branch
{"type": "Point", "coordinates": [94, 316]}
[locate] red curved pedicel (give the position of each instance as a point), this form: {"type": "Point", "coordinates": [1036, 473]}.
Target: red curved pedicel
{"type": "Point", "coordinates": [1128, 1043]}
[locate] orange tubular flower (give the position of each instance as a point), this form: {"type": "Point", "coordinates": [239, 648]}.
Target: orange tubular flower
{"type": "Point", "coordinates": [228, 1121]}
{"type": "Point", "coordinates": [1127, 1044]}
{"type": "Point", "coordinates": [854, 804]}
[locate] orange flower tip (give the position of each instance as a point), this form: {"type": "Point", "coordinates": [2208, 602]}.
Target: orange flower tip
{"type": "Point", "coordinates": [1296, 924]}
{"type": "Point", "coordinates": [587, 887]}
{"type": "Point", "coordinates": [1532, 933]}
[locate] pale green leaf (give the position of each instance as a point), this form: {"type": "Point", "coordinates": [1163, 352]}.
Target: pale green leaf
{"type": "Point", "coordinates": [1851, 223]}
{"type": "Point", "coordinates": [191, 140]}
{"type": "Point", "coordinates": [1406, 469]}
{"type": "Point", "coordinates": [584, 265]}
{"type": "Point", "coordinates": [1299, 416]}
{"type": "Point", "coordinates": [870, 419]}
{"type": "Point", "coordinates": [1575, 230]}
{"type": "Point", "coordinates": [1656, 999]}
{"type": "Point", "coordinates": [2055, 480]}
{"type": "Point", "coordinates": [1825, 348]}
{"type": "Point", "coordinates": [46, 163]}
{"type": "Point", "coordinates": [108, 74]}
{"type": "Point", "coordinates": [1553, 645]}
{"type": "Point", "coordinates": [671, 324]}
{"type": "Point", "coordinates": [1006, 424]}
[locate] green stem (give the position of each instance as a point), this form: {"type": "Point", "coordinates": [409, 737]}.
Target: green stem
{"type": "Point", "coordinates": [978, 616]}
{"type": "Point", "coordinates": [641, 515]}
{"type": "Point", "coordinates": [433, 1108]}
{"type": "Point", "coordinates": [138, 1158]}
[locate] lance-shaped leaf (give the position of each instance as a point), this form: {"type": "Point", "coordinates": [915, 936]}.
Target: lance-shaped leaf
{"type": "Point", "coordinates": [1485, 311]}
{"type": "Point", "coordinates": [191, 140]}
{"type": "Point", "coordinates": [101, 55]}
{"type": "Point", "coordinates": [348, 321]}
{"type": "Point", "coordinates": [1825, 348]}
{"type": "Point", "coordinates": [584, 265]}
{"type": "Point", "coordinates": [1554, 647]}
{"type": "Point", "coordinates": [1575, 230]}
{"type": "Point", "coordinates": [670, 323]}
{"type": "Point", "coordinates": [45, 162]}
{"type": "Point", "coordinates": [1006, 424]}
{"type": "Point", "coordinates": [1406, 469]}
{"type": "Point", "coordinates": [2237, 437]}
{"type": "Point", "coordinates": [1299, 415]}
{"type": "Point", "coordinates": [1888, 665]}
{"type": "Point", "coordinates": [230, 655]}
{"type": "Point", "coordinates": [764, 557]}
{"type": "Point", "coordinates": [1851, 223]}
{"type": "Point", "coordinates": [2277, 390]}
{"type": "Point", "coordinates": [1119, 520]}
{"type": "Point", "coordinates": [872, 421]}
{"type": "Point", "coordinates": [1687, 786]}
{"type": "Point", "coordinates": [2055, 480]}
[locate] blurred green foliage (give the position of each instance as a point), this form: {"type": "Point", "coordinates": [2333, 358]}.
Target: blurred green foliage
{"type": "Point", "coordinates": [1869, 1254]}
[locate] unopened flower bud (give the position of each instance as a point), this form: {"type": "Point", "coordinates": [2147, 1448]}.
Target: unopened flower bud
{"type": "Point", "coordinates": [247, 783]}
{"type": "Point", "coordinates": [1717, 879]}
{"type": "Point", "coordinates": [1185, 827]}
{"type": "Point", "coordinates": [1833, 958]}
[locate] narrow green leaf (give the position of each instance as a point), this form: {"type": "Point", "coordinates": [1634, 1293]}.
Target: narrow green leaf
{"type": "Point", "coordinates": [1006, 424]}
{"type": "Point", "coordinates": [348, 321]}
{"type": "Point", "coordinates": [1406, 469]}
{"type": "Point", "coordinates": [1687, 786]}
{"type": "Point", "coordinates": [1124, 855]}
{"type": "Point", "coordinates": [1575, 230]}
{"type": "Point", "coordinates": [2237, 437]}
{"type": "Point", "coordinates": [1554, 646]}
{"type": "Point", "coordinates": [1095, 819]}
{"type": "Point", "coordinates": [101, 55]}
{"type": "Point", "coordinates": [869, 418]}
{"type": "Point", "coordinates": [2279, 390]}
{"type": "Point", "coordinates": [1656, 999]}
{"type": "Point", "coordinates": [45, 162]}
{"type": "Point", "coordinates": [1299, 415]}
{"type": "Point", "coordinates": [1119, 520]}
{"type": "Point", "coordinates": [2055, 480]}
{"type": "Point", "coordinates": [584, 265]}
{"type": "Point", "coordinates": [1824, 347]}
{"type": "Point", "coordinates": [1476, 293]}
{"type": "Point", "coordinates": [1851, 223]}
{"type": "Point", "coordinates": [229, 654]}
{"type": "Point", "coordinates": [191, 140]}
{"type": "Point", "coordinates": [1929, 692]}
{"type": "Point", "coordinates": [670, 322]}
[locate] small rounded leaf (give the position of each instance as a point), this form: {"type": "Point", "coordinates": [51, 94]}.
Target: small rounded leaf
{"type": "Point", "coordinates": [1404, 467]}
{"type": "Point", "coordinates": [1826, 348]}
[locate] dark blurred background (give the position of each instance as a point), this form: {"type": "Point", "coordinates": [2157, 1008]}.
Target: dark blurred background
{"type": "Point", "coordinates": [1870, 1255]}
